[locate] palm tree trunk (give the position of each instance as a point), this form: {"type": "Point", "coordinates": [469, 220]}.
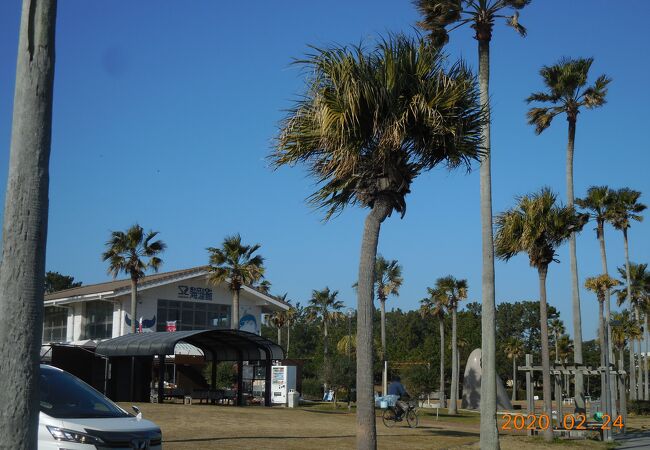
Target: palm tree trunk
{"type": "Point", "coordinates": [557, 348]}
{"type": "Point", "coordinates": [384, 372]}
{"type": "Point", "coordinates": [621, 388]}
{"type": "Point", "coordinates": [633, 390]}
{"type": "Point", "coordinates": [366, 430]}
{"type": "Point", "coordinates": [234, 319]}
{"type": "Point", "coordinates": [575, 288]}
{"type": "Point", "coordinates": [288, 339]}
{"type": "Point", "coordinates": [546, 369]}
{"type": "Point", "coordinates": [632, 372]}
{"type": "Point", "coordinates": [645, 359]}
{"type": "Point", "coordinates": [441, 326]}
{"type": "Point", "coordinates": [279, 336]}
{"type": "Point", "coordinates": [134, 303]}
{"type": "Point", "coordinates": [327, 372]}
{"type": "Point", "coordinates": [601, 332]}
{"type": "Point", "coordinates": [514, 379]}
{"type": "Point", "coordinates": [489, 432]}
{"type": "Point", "coordinates": [603, 261]}
{"type": "Point", "coordinates": [22, 270]}
{"type": "Point", "coordinates": [454, 365]}
{"type": "Point", "coordinates": [639, 374]}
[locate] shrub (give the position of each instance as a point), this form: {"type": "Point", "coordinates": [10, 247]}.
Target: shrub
{"type": "Point", "coordinates": [640, 407]}
{"type": "Point", "coordinates": [312, 389]}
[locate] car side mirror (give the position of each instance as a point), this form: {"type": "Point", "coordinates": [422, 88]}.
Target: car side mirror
{"type": "Point", "coordinates": [138, 413]}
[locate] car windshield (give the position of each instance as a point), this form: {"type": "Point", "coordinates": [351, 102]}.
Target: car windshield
{"type": "Point", "coordinates": [64, 396]}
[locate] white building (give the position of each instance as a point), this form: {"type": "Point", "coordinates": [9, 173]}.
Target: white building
{"type": "Point", "coordinates": [182, 298]}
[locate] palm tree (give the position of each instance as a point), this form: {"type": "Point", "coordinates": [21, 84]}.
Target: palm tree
{"type": "Point", "coordinates": [598, 203]}
{"type": "Point", "coordinates": [537, 226]}
{"type": "Point", "coordinates": [235, 264]}
{"type": "Point", "coordinates": [625, 209]}
{"type": "Point", "coordinates": [364, 129]}
{"type": "Point", "coordinates": [624, 330]}
{"type": "Point", "coordinates": [388, 280]}
{"type": "Point", "coordinates": [325, 307]}
{"type": "Point", "coordinates": [128, 252]}
{"type": "Point", "coordinates": [264, 287]}
{"type": "Point", "coordinates": [291, 315]}
{"type": "Point", "coordinates": [24, 236]}
{"type": "Point", "coordinates": [279, 320]}
{"type": "Point", "coordinates": [556, 327]}
{"type": "Point", "coordinates": [567, 94]}
{"type": "Point", "coordinates": [636, 293]}
{"type": "Point", "coordinates": [601, 285]}
{"type": "Point", "coordinates": [438, 18]}
{"type": "Point", "coordinates": [455, 291]}
{"type": "Point", "coordinates": [435, 306]}
{"type": "Point", "coordinates": [514, 349]}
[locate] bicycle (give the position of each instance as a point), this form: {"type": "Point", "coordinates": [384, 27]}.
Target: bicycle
{"type": "Point", "coordinates": [390, 416]}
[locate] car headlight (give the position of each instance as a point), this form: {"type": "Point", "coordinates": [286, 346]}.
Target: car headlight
{"type": "Point", "coordinates": [61, 434]}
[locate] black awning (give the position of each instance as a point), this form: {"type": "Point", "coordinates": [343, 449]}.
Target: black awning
{"type": "Point", "coordinates": [223, 345]}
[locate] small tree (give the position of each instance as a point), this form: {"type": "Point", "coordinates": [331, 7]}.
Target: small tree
{"type": "Point", "coordinates": [54, 281]}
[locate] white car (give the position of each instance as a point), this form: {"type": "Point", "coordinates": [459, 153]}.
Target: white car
{"type": "Point", "coordinates": [76, 416]}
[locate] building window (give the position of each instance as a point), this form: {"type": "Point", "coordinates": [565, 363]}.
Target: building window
{"type": "Point", "coordinates": [98, 320]}
{"type": "Point", "coordinates": [55, 324]}
{"type": "Point", "coordinates": [192, 315]}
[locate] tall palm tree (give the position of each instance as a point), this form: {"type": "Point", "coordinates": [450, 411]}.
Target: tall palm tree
{"type": "Point", "coordinates": [388, 280]}
{"type": "Point", "coordinates": [435, 306]}
{"type": "Point", "coordinates": [598, 203]}
{"type": "Point", "coordinates": [625, 209]}
{"type": "Point", "coordinates": [636, 294]}
{"type": "Point", "coordinates": [235, 264]}
{"type": "Point", "coordinates": [455, 291]}
{"type": "Point", "coordinates": [556, 327]}
{"type": "Point", "coordinates": [133, 252]}
{"type": "Point", "coordinates": [537, 226]}
{"type": "Point", "coordinates": [363, 127]}
{"type": "Point", "coordinates": [514, 349]}
{"type": "Point", "coordinates": [24, 235]}
{"type": "Point", "coordinates": [567, 93]}
{"type": "Point", "coordinates": [438, 18]}
{"type": "Point", "coordinates": [326, 308]}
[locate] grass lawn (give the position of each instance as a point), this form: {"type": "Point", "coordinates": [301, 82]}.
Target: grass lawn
{"type": "Point", "coordinates": [207, 426]}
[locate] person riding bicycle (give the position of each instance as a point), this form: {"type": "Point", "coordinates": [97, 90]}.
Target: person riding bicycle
{"type": "Point", "coordinates": [397, 388]}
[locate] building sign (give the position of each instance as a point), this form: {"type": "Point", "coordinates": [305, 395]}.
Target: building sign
{"type": "Point", "coordinates": [171, 325]}
{"type": "Point", "coordinates": [195, 293]}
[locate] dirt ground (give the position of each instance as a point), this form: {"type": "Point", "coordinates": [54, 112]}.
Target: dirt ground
{"type": "Point", "coordinates": [228, 427]}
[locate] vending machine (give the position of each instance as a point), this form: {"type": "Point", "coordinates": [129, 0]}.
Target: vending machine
{"type": "Point", "coordinates": [283, 379]}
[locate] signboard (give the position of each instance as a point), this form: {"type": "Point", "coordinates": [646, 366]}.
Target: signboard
{"type": "Point", "coordinates": [195, 293]}
{"type": "Point", "coordinates": [171, 325]}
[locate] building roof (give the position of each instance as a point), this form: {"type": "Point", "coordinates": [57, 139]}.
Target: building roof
{"type": "Point", "coordinates": [116, 288]}
{"type": "Point", "coordinates": [221, 345]}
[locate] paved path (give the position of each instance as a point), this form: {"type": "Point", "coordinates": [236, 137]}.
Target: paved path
{"type": "Point", "coordinates": [638, 441]}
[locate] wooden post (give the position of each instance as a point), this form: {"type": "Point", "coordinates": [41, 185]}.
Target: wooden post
{"type": "Point", "coordinates": [161, 378]}
{"type": "Point", "coordinates": [558, 399]}
{"type": "Point", "coordinates": [530, 397]}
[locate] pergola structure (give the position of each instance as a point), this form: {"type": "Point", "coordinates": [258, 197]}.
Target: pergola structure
{"type": "Point", "coordinates": [219, 345]}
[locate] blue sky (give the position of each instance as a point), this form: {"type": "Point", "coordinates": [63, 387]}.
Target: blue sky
{"type": "Point", "coordinates": [164, 113]}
